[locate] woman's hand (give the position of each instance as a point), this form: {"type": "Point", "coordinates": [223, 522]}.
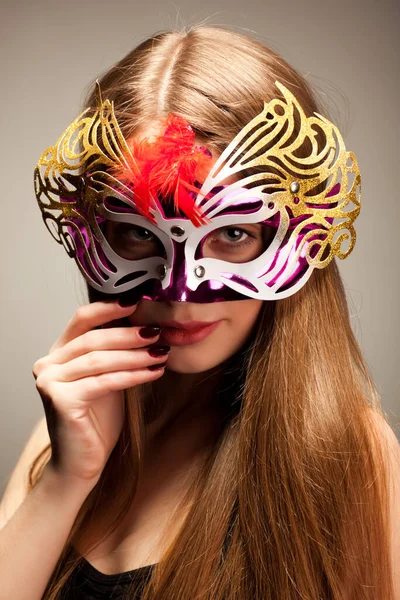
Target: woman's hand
{"type": "Point", "coordinates": [81, 383]}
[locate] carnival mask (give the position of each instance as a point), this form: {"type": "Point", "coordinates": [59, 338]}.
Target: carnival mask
{"type": "Point", "coordinates": [290, 175]}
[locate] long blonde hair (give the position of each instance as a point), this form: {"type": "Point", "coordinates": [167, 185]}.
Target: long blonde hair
{"type": "Point", "coordinates": [291, 501]}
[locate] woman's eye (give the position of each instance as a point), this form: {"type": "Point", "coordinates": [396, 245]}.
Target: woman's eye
{"type": "Point", "coordinates": [234, 244]}
{"type": "Point", "coordinates": [136, 234]}
{"type": "Point", "coordinates": [233, 234]}
{"type": "Point", "coordinates": [132, 241]}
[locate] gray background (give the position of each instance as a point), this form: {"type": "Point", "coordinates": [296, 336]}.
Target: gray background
{"type": "Point", "coordinates": [51, 51]}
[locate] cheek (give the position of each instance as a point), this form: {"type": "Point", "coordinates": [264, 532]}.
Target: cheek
{"type": "Point", "coordinates": [243, 317]}
{"type": "Point", "coordinates": [147, 313]}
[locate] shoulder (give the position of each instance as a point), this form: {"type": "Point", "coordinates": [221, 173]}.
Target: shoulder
{"type": "Point", "coordinates": [16, 488]}
{"type": "Point", "coordinates": [391, 452]}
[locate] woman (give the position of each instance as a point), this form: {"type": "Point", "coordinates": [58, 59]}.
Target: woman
{"type": "Point", "coordinates": [246, 459]}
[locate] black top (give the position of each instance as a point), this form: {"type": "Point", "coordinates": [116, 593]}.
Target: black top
{"type": "Point", "coordinates": [87, 583]}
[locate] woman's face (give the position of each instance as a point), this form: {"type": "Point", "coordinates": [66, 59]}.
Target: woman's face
{"type": "Point", "coordinates": [197, 351]}
{"type": "Point", "coordinates": [234, 320]}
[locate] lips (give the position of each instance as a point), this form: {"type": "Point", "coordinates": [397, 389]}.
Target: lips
{"type": "Point", "coordinates": [185, 325]}
{"type": "Point", "coordinates": [185, 334]}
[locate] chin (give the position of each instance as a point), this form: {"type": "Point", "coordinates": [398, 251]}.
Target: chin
{"type": "Point", "coordinates": [189, 364]}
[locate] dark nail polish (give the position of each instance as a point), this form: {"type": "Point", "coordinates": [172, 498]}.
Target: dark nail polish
{"type": "Point", "coordinates": [156, 351]}
{"type": "Point", "coordinates": [126, 301]}
{"type": "Point", "coordinates": [156, 367]}
{"type": "Point", "coordinates": [149, 331]}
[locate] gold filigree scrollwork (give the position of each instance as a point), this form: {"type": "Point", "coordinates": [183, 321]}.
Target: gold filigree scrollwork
{"type": "Point", "coordinates": [316, 187]}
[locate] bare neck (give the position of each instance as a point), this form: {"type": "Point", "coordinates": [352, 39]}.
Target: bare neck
{"type": "Point", "coordinates": [189, 410]}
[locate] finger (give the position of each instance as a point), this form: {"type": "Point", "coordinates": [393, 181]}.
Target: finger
{"type": "Point", "coordinates": [88, 316]}
{"type": "Point", "coordinates": [124, 338]}
{"type": "Point", "coordinates": [96, 363]}
{"type": "Point", "coordinates": [90, 388]}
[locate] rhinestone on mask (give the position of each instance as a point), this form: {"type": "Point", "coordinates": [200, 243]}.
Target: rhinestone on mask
{"type": "Point", "coordinates": [162, 271]}
{"type": "Point", "coordinates": [294, 187]}
{"type": "Point", "coordinates": [199, 271]}
{"type": "Point", "coordinates": [178, 231]}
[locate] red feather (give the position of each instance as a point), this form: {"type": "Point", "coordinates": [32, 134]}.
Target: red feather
{"type": "Point", "coordinates": [167, 166]}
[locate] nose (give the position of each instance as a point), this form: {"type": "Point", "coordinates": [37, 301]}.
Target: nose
{"type": "Point", "coordinates": [177, 290]}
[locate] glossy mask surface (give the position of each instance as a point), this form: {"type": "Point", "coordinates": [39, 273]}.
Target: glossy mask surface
{"type": "Point", "coordinates": [304, 208]}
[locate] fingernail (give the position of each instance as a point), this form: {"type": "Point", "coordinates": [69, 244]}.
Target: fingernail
{"type": "Point", "coordinates": [149, 331]}
{"type": "Point", "coordinates": [156, 351]}
{"type": "Point", "coordinates": [125, 301]}
{"type": "Point", "coordinates": [156, 367]}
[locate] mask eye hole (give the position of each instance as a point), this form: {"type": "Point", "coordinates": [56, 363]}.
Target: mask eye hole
{"type": "Point", "coordinates": [132, 241]}
{"type": "Point", "coordinates": [236, 243]}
